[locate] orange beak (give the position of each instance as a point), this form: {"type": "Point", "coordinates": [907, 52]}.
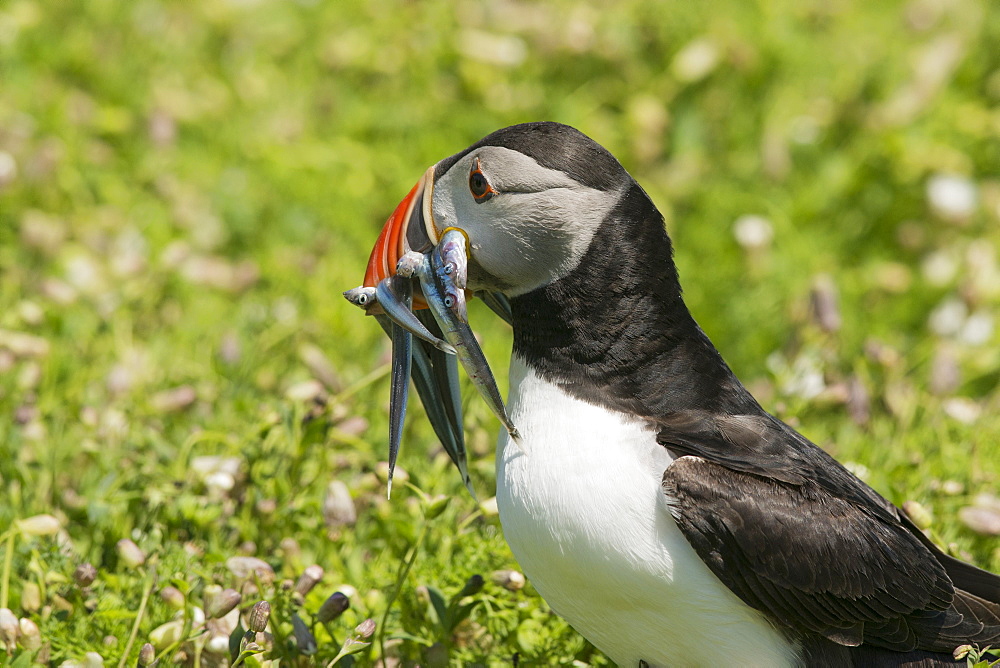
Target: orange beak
{"type": "Point", "coordinates": [410, 227]}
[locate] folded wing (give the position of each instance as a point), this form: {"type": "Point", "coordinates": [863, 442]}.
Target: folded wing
{"type": "Point", "coordinates": [795, 535]}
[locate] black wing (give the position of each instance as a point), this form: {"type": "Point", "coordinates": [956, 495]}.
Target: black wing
{"type": "Point", "coordinates": [795, 535]}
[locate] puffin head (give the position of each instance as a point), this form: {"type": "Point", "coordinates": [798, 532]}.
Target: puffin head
{"type": "Point", "coordinates": [529, 198]}
{"type": "Point", "coordinates": [555, 224]}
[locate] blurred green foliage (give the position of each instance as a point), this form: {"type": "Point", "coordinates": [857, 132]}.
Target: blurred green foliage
{"type": "Point", "coordinates": [186, 188]}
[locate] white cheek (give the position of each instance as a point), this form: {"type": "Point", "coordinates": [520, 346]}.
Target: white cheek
{"type": "Point", "coordinates": [537, 238]}
{"type": "Point", "coordinates": [526, 240]}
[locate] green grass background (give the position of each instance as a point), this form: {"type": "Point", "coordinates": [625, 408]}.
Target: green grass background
{"type": "Point", "coordinates": [187, 187]}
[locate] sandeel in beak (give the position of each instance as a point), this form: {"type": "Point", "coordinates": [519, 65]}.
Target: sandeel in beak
{"type": "Point", "coordinates": [410, 251]}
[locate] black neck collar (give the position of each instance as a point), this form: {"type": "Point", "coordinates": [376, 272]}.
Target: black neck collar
{"type": "Point", "coordinates": [615, 331]}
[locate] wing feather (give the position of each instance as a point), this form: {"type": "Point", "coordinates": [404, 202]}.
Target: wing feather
{"type": "Point", "coordinates": [820, 563]}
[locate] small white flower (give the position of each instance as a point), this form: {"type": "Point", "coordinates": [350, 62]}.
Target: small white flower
{"type": "Point", "coordinates": [39, 525]}
{"type": "Point", "coordinates": [939, 268]}
{"type": "Point", "coordinates": [752, 231]}
{"type": "Point", "coordinates": [9, 628]}
{"type": "Point", "coordinates": [695, 60]}
{"type": "Point", "coordinates": [167, 634]}
{"type": "Point", "coordinates": [30, 638]}
{"type": "Point", "coordinates": [93, 660]}
{"type": "Point", "coordinates": [860, 470]}
{"type": "Point", "coordinates": [307, 390]}
{"type": "Point", "coordinates": [804, 130]}
{"type": "Point", "coordinates": [8, 168]}
{"type": "Point", "coordinates": [494, 48]}
{"type": "Point", "coordinates": [952, 197]}
{"type": "Point", "coordinates": [84, 273]}
{"type": "Point", "coordinates": [488, 507]}
{"type": "Point", "coordinates": [509, 580]}
{"type": "Point", "coordinates": [217, 644]}
{"type": "Point", "coordinates": [949, 317]}
{"type": "Point", "coordinates": [207, 465]}
{"type": "Point", "coordinates": [977, 330]}
{"type": "Point", "coordinates": [802, 378]}
{"type": "Point", "coordinates": [347, 590]}
{"type": "Point", "coordinates": [220, 481]}
{"type": "Point", "coordinates": [130, 554]}
{"type": "Point", "coordinates": [962, 409]}
{"type": "Point", "coordinates": [247, 568]}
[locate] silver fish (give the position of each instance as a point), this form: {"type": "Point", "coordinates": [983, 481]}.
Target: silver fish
{"type": "Point", "coordinates": [361, 296]}
{"type": "Point", "coordinates": [451, 268]}
{"type": "Point", "coordinates": [455, 331]}
{"type": "Point", "coordinates": [433, 373]}
{"type": "Point", "coordinates": [402, 358]}
{"type": "Point", "coordinates": [435, 376]}
{"type": "Point", "coordinates": [387, 295]}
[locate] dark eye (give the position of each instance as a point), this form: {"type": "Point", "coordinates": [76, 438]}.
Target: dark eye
{"type": "Point", "coordinates": [478, 185]}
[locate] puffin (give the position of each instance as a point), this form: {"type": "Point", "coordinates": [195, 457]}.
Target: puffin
{"type": "Point", "coordinates": [651, 500]}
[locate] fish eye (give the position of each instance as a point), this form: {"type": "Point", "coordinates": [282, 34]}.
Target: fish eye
{"type": "Point", "coordinates": [449, 301]}
{"type": "Point", "coordinates": [362, 299]}
{"type": "Point", "coordinates": [479, 186]}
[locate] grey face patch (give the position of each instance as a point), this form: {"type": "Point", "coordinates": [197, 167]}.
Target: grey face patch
{"type": "Point", "coordinates": [533, 232]}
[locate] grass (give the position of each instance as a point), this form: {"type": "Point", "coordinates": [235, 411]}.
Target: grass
{"type": "Point", "coordinates": [186, 188]}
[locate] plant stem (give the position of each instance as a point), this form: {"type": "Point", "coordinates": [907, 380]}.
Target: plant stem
{"type": "Point", "coordinates": [361, 384]}
{"type": "Point", "coordinates": [8, 562]}
{"type": "Point", "coordinates": [403, 572]}
{"type": "Point", "coordinates": [138, 618]}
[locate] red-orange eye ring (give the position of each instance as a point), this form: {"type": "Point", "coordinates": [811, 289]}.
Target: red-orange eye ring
{"type": "Point", "coordinates": [479, 185]}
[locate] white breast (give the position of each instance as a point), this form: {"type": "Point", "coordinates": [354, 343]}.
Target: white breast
{"type": "Point", "coordinates": [584, 514]}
